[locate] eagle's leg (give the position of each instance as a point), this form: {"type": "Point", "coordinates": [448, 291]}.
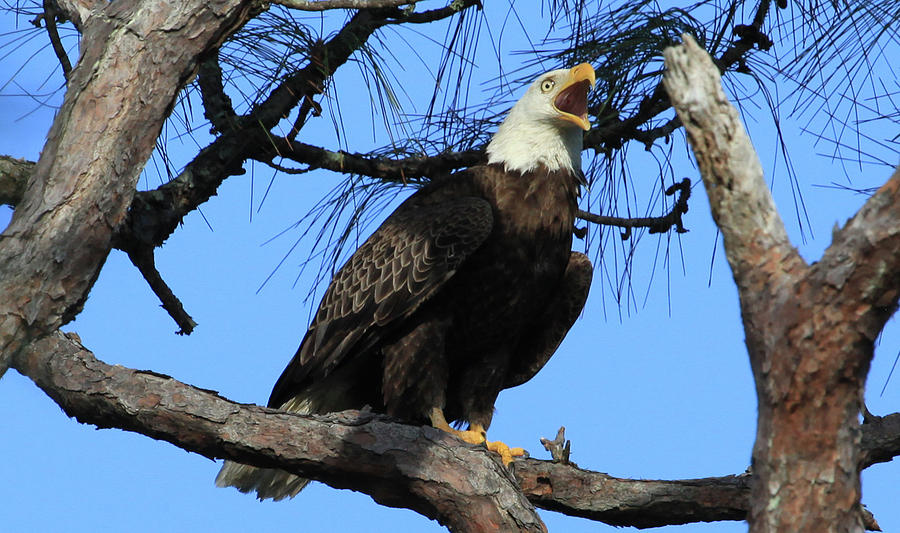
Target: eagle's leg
{"type": "Point", "coordinates": [476, 434]}
{"type": "Point", "coordinates": [472, 435]}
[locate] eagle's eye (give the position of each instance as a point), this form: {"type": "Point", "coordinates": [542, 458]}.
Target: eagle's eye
{"type": "Point", "coordinates": [547, 85]}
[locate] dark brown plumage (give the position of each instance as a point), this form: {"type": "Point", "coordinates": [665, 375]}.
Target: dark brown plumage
{"type": "Point", "coordinates": [466, 289]}
{"type": "Point", "coordinates": [436, 300]}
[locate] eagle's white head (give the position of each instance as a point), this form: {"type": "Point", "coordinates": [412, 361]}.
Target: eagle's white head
{"type": "Point", "coordinates": [545, 126]}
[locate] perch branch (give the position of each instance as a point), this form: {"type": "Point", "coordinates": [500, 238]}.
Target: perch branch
{"type": "Point", "coordinates": [397, 464]}
{"type": "Point", "coordinates": [420, 468]}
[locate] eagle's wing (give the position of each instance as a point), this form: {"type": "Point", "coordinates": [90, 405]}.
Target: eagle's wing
{"type": "Point", "coordinates": [408, 258]}
{"type": "Point", "coordinates": [546, 333]}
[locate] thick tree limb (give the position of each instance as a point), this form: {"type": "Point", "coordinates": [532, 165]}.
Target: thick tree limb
{"type": "Point", "coordinates": [863, 261]}
{"type": "Point", "coordinates": [421, 468]}
{"type": "Point", "coordinates": [741, 203]}
{"type": "Point", "coordinates": [51, 253]}
{"type": "Point", "coordinates": [810, 330]}
{"type": "Point", "coordinates": [398, 465]}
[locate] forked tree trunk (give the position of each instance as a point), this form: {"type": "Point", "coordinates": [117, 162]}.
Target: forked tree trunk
{"type": "Point", "coordinates": [809, 328]}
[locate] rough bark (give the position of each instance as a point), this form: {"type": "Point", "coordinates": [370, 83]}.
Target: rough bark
{"type": "Point", "coordinates": [60, 235]}
{"type": "Point", "coordinates": [640, 503]}
{"type": "Point", "coordinates": [398, 465]}
{"type": "Point", "coordinates": [809, 329]}
{"type": "Point", "coordinates": [421, 468]}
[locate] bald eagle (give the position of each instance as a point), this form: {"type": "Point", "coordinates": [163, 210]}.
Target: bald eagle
{"type": "Point", "coordinates": [465, 290]}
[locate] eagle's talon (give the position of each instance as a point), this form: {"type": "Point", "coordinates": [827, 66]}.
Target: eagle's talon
{"type": "Point", "coordinates": [506, 453]}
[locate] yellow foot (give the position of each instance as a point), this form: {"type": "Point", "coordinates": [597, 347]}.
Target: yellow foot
{"type": "Point", "coordinates": [472, 435]}
{"type": "Point", "coordinates": [476, 434]}
{"type": "Point", "coordinates": [506, 453]}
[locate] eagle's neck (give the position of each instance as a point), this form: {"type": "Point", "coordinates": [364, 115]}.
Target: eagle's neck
{"type": "Point", "coordinates": [523, 144]}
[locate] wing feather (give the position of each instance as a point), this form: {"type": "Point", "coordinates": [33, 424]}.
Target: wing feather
{"type": "Point", "coordinates": [545, 334]}
{"type": "Point", "coordinates": [405, 261]}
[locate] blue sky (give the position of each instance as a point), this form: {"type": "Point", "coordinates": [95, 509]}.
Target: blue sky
{"type": "Point", "coordinates": [657, 388]}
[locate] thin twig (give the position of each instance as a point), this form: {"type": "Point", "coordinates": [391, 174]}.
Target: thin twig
{"type": "Point", "coordinates": [50, 14]}
{"type": "Point", "coordinates": [655, 224]}
{"type": "Point", "coordinates": [143, 259]}
{"type": "Point", "coordinates": [324, 5]}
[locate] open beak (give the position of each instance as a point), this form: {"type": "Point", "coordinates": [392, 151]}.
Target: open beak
{"type": "Point", "coordinates": [571, 101]}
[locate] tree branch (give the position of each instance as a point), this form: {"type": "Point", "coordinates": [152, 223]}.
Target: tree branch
{"type": "Point", "coordinates": [399, 465]}
{"type": "Point", "coordinates": [660, 224]}
{"type": "Point", "coordinates": [613, 132]}
{"type": "Point", "coordinates": [420, 468]}
{"type": "Point", "coordinates": [384, 168]}
{"type": "Point", "coordinates": [628, 502]}
{"type": "Point", "coordinates": [741, 203]}
{"type": "Point", "coordinates": [324, 5]}
{"type": "Point", "coordinates": [50, 15]}
{"type": "Point", "coordinates": [145, 263]}
{"type": "Point", "coordinates": [14, 174]}
{"type": "Point", "coordinates": [865, 254]}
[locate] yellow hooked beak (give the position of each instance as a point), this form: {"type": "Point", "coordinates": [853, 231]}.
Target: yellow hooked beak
{"type": "Point", "coordinates": [571, 100]}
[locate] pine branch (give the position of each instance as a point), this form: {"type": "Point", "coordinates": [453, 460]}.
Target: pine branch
{"type": "Point", "coordinates": [612, 132]}
{"type": "Point", "coordinates": [420, 468]}
{"type": "Point", "coordinates": [659, 224]}
{"type": "Point", "coordinates": [324, 5]}
{"type": "Point", "coordinates": [51, 12]}
{"type": "Point", "coordinates": [155, 214]}
{"type": "Point", "coordinates": [144, 261]}
{"type": "Point", "coordinates": [400, 170]}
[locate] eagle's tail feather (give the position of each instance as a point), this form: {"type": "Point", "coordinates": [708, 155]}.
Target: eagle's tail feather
{"type": "Point", "coordinates": [268, 482]}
